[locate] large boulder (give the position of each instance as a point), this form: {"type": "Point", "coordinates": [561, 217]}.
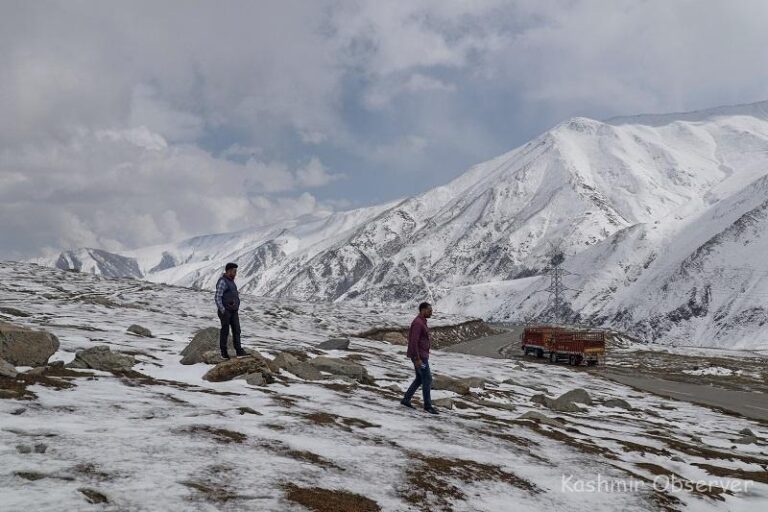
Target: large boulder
{"type": "Point", "coordinates": [102, 358]}
{"type": "Point", "coordinates": [205, 340]}
{"type": "Point", "coordinates": [140, 331]}
{"type": "Point", "coordinates": [565, 402]}
{"type": "Point", "coordinates": [292, 364]}
{"type": "Point", "coordinates": [342, 368]}
{"type": "Point", "coordinates": [305, 371]}
{"type": "Point", "coordinates": [395, 338]}
{"type": "Point", "coordinates": [26, 347]}
{"type": "Point", "coordinates": [442, 382]}
{"type": "Point", "coordinates": [577, 395]}
{"type": "Point", "coordinates": [235, 367]}
{"type": "Point", "coordinates": [7, 369]}
{"type": "Point", "coordinates": [618, 402]}
{"type": "Point", "coordinates": [283, 361]}
{"type": "Point", "coordinates": [458, 386]}
{"type": "Point", "coordinates": [540, 418]}
{"type": "Point", "coordinates": [335, 344]}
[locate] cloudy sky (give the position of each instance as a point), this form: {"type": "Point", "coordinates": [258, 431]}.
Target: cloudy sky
{"type": "Point", "coordinates": [124, 124]}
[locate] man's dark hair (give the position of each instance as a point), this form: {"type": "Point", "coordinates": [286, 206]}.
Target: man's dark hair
{"type": "Point", "coordinates": [229, 266]}
{"type": "Point", "coordinates": [424, 305]}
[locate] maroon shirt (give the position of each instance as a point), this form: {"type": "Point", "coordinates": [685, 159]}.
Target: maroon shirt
{"type": "Point", "coordinates": [418, 339]}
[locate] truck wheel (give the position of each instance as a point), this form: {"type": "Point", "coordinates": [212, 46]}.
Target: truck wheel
{"type": "Point", "coordinates": [572, 360]}
{"type": "Point", "coordinates": [553, 357]}
{"type": "Point", "coordinates": [539, 353]}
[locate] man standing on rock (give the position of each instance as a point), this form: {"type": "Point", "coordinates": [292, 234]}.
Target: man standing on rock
{"type": "Point", "coordinates": [419, 343]}
{"type": "Point", "coordinates": [227, 304]}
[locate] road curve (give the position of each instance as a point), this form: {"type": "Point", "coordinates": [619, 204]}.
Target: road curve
{"type": "Point", "coordinates": [753, 405]}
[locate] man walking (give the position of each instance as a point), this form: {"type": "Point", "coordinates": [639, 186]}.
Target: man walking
{"type": "Point", "coordinates": [227, 305]}
{"type": "Point", "coordinates": [419, 343]}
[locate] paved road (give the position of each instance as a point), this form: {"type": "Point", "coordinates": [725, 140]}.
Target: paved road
{"type": "Point", "coordinates": [752, 405]}
{"type": "Point", "coordinates": [749, 404]}
{"type": "Point", "coordinates": [489, 346]}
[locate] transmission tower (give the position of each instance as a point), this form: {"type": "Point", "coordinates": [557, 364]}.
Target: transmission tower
{"type": "Point", "coordinates": [556, 287]}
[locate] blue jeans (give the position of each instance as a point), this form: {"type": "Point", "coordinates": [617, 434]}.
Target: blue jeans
{"type": "Point", "coordinates": [423, 379]}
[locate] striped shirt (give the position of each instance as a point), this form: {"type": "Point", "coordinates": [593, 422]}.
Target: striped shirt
{"type": "Point", "coordinates": [221, 286]}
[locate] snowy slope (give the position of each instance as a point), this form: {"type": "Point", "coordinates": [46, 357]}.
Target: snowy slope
{"type": "Point", "coordinates": [171, 441]}
{"type": "Point", "coordinates": [629, 201]}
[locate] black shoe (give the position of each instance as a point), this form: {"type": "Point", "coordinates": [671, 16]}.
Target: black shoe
{"type": "Point", "coordinates": [406, 404]}
{"type": "Point", "coordinates": [225, 356]}
{"type": "Point", "coordinates": [241, 354]}
{"type": "Point", "coordinates": [432, 410]}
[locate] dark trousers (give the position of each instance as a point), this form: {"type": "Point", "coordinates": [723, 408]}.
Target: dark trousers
{"type": "Point", "coordinates": [229, 319]}
{"type": "Point", "coordinates": [423, 379]}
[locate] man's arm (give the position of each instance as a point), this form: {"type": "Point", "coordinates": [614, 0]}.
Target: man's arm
{"type": "Point", "coordinates": [413, 343]}
{"type": "Point", "coordinates": [220, 287]}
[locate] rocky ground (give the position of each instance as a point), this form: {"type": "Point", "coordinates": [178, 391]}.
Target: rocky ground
{"type": "Point", "coordinates": [115, 421]}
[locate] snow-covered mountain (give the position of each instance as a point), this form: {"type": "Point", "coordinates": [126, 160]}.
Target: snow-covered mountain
{"type": "Point", "coordinates": [662, 217]}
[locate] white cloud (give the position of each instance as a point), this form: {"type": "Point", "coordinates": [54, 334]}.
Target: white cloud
{"type": "Point", "coordinates": [122, 189]}
{"type": "Point", "coordinates": [107, 108]}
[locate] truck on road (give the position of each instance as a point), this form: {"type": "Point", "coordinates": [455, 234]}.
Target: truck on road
{"type": "Point", "coordinates": [576, 346]}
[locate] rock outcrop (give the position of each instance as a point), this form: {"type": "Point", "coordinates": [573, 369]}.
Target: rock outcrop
{"type": "Point", "coordinates": [140, 331]}
{"type": "Point", "coordinates": [235, 367]}
{"type": "Point", "coordinates": [26, 347]}
{"type": "Point", "coordinates": [342, 368]}
{"type": "Point", "coordinates": [335, 344]}
{"type": "Point", "coordinates": [458, 386]}
{"type": "Point", "coordinates": [205, 340]}
{"type": "Point", "coordinates": [565, 402]}
{"type": "Point", "coordinates": [102, 358]}
{"type": "Point", "coordinates": [7, 369]}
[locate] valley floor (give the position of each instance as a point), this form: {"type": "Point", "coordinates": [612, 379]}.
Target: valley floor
{"type": "Point", "coordinates": [168, 440]}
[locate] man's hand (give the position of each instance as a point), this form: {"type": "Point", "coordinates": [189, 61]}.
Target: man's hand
{"type": "Point", "coordinates": [417, 363]}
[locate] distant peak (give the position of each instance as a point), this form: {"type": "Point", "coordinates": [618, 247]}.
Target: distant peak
{"type": "Point", "coordinates": [580, 124]}
{"type": "Point", "coordinates": [758, 110]}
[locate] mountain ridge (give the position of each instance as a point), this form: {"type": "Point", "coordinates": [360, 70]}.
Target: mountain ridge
{"type": "Point", "coordinates": [612, 195]}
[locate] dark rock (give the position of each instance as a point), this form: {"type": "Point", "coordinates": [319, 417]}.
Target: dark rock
{"type": "Point", "coordinates": [458, 386]}
{"type": "Point", "coordinates": [283, 361]}
{"type": "Point", "coordinates": [255, 379]}
{"type": "Point", "coordinates": [7, 369]}
{"type": "Point", "coordinates": [23, 448]}
{"type": "Point", "coordinates": [618, 402]}
{"type": "Point", "coordinates": [204, 340]}
{"type": "Point", "coordinates": [102, 358]}
{"type": "Point", "coordinates": [565, 402]}
{"type": "Point", "coordinates": [26, 347]}
{"type": "Point", "coordinates": [93, 496]}
{"type": "Point", "coordinates": [41, 448]}
{"type": "Point", "coordinates": [335, 344]}
{"type": "Point", "coordinates": [305, 371]}
{"type": "Point", "coordinates": [14, 312]}
{"type": "Point", "coordinates": [228, 370]}
{"type": "Point", "coordinates": [141, 331]}
{"type": "Point", "coordinates": [342, 368]}
{"type": "Point", "coordinates": [541, 418]}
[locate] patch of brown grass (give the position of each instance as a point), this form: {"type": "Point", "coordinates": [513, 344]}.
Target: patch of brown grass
{"type": "Point", "coordinates": [629, 446]}
{"type": "Point", "coordinates": [706, 452]}
{"type": "Point", "coordinates": [220, 435]}
{"type": "Point", "coordinates": [711, 491]}
{"type": "Point", "coordinates": [342, 422]}
{"type": "Point", "coordinates": [436, 481]}
{"type": "Point", "coordinates": [211, 492]}
{"type": "Point", "coordinates": [283, 450]}
{"type": "Point", "coordinates": [755, 476]}
{"type": "Point", "coordinates": [329, 500]}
